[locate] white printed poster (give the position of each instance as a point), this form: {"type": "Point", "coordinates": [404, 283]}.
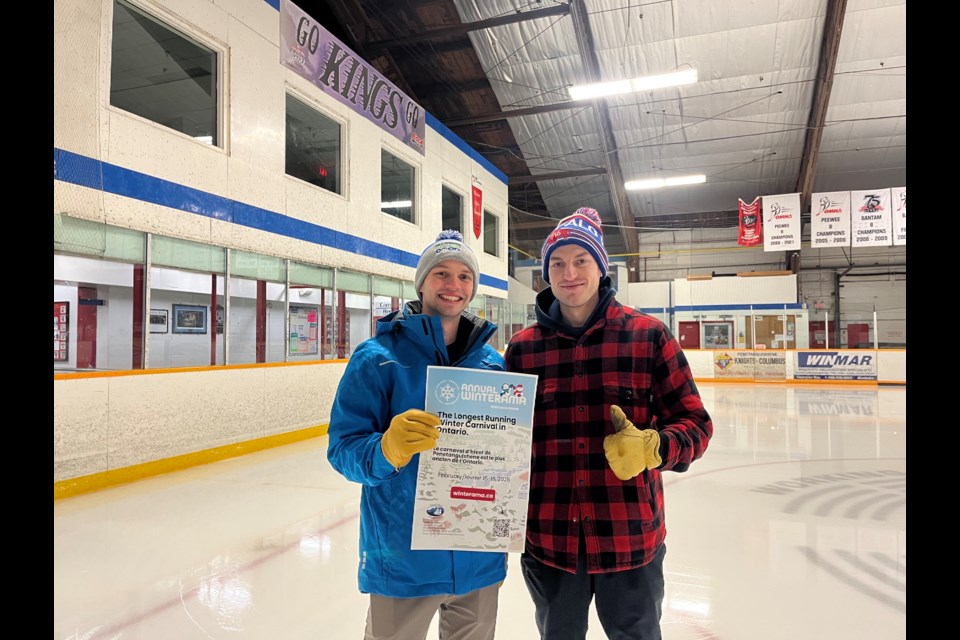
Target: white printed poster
{"type": "Point", "coordinates": [473, 487]}
{"type": "Point", "coordinates": [781, 222]}
{"type": "Point", "coordinates": [898, 197]}
{"type": "Point", "coordinates": [870, 218]}
{"type": "Point", "coordinates": [830, 219]}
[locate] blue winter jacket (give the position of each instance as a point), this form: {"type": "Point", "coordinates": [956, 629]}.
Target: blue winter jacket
{"type": "Point", "coordinates": [385, 376]}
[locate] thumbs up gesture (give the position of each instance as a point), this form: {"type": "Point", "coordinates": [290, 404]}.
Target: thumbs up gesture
{"type": "Point", "coordinates": [630, 451]}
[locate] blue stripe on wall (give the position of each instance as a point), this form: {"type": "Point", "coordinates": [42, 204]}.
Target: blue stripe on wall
{"type": "Point", "coordinates": [740, 307]}
{"type": "Point", "coordinates": [94, 174]}
{"type": "Point", "coordinates": [722, 307]}
{"type": "Point", "coordinates": [274, 3]}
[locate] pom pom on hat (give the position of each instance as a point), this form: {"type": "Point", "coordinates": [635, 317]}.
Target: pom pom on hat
{"type": "Point", "coordinates": [449, 245]}
{"type": "Point", "coordinates": [450, 234]}
{"type": "Point", "coordinates": [581, 228]}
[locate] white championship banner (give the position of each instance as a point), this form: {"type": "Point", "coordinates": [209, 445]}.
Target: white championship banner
{"type": "Point", "coordinates": [898, 201]}
{"type": "Point", "coordinates": [781, 222]}
{"type": "Point", "coordinates": [870, 218]}
{"type": "Point", "coordinates": [830, 219]}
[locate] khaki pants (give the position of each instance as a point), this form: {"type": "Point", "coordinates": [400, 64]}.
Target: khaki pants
{"type": "Point", "coordinates": [472, 616]}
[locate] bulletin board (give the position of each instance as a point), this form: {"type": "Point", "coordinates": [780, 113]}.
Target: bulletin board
{"type": "Point", "coordinates": [718, 335]}
{"type": "Point", "coordinates": [61, 331]}
{"type": "Point", "coordinates": [304, 324]}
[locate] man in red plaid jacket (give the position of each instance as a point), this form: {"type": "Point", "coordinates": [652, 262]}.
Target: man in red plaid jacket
{"type": "Point", "coordinates": [616, 406]}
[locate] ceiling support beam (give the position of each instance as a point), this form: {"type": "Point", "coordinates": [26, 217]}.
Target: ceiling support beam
{"type": "Point", "coordinates": [545, 225]}
{"type": "Point", "coordinates": [440, 88]}
{"type": "Point", "coordinates": [591, 63]}
{"type": "Point", "coordinates": [832, 27]}
{"type": "Point", "coordinates": [463, 29]}
{"type": "Point", "coordinates": [827, 64]}
{"type": "Point", "coordinates": [559, 175]}
{"type": "Point", "coordinates": [516, 113]}
{"type": "Point", "coordinates": [721, 219]}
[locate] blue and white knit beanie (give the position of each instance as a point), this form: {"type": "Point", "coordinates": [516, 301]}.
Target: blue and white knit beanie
{"type": "Point", "coordinates": [581, 228]}
{"type": "Point", "coordinates": [448, 246]}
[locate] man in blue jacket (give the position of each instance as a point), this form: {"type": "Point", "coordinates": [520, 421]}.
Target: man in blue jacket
{"type": "Point", "coordinates": [378, 428]}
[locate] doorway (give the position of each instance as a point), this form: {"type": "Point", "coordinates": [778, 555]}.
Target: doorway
{"type": "Point", "coordinates": [818, 334]}
{"type": "Point", "coordinates": [87, 304]}
{"type": "Point", "coordinates": [858, 336]}
{"type": "Point", "coordinates": [771, 334]}
{"type": "Point", "coordinates": [689, 334]}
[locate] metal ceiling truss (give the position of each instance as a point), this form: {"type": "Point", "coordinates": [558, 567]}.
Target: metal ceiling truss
{"type": "Point", "coordinates": [608, 143]}
{"type": "Point", "coordinates": [375, 37]}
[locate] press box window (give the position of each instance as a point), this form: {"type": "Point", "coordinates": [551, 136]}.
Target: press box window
{"type": "Point", "coordinates": [451, 206]}
{"type": "Point", "coordinates": [491, 233]}
{"type": "Point", "coordinates": [163, 75]}
{"type": "Point", "coordinates": [397, 179]}
{"type": "Point", "coordinates": [313, 146]}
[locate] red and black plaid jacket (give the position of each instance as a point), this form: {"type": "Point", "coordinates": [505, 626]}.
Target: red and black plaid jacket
{"type": "Point", "coordinates": [625, 358]}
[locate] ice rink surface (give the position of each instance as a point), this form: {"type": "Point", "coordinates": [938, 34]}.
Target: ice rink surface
{"type": "Point", "coordinates": [791, 527]}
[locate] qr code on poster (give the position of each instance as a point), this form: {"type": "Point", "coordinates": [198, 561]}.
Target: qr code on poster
{"type": "Point", "coordinates": [501, 528]}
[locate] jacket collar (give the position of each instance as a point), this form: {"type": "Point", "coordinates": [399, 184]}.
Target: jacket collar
{"type": "Point", "coordinates": [548, 310]}
{"type": "Point", "coordinates": [427, 332]}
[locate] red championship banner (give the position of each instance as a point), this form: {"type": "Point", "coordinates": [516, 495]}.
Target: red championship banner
{"type": "Point", "coordinates": [477, 190]}
{"type": "Point", "coordinates": [751, 226]}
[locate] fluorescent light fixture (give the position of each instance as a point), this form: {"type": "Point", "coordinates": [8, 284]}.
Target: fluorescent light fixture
{"type": "Point", "coordinates": [656, 183]}
{"type": "Point", "coordinates": [599, 89]}
{"type": "Point", "coordinates": [397, 204]}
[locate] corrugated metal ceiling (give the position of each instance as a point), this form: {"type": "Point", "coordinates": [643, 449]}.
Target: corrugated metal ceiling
{"type": "Point", "coordinates": [792, 95]}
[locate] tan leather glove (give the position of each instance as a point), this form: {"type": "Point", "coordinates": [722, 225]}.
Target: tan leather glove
{"type": "Point", "coordinates": [629, 451]}
{"type": "Point", "coordinates": [410, 432]}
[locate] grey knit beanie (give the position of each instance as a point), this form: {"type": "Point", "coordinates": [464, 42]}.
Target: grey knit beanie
{"type": "Point", "coordinates": [448, 246]}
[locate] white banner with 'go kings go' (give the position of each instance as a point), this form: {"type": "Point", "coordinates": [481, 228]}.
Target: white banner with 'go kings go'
{"type": "Point", "coordinates": [310, 50]}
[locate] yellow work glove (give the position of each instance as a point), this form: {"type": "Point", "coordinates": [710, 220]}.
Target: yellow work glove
{"type": "Point", "coordinates": [410, 432]}
{"type": "Point", "coordinates": [629, 451]}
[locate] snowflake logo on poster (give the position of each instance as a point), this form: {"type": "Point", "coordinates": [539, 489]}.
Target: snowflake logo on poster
{"type": "Point", "coordinates": [447, 392]}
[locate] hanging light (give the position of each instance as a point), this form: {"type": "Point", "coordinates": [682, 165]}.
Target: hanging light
{"type": "Point", "coordinates": [616, 87]}
{"type": "Point", "coordinates": [656, 183]}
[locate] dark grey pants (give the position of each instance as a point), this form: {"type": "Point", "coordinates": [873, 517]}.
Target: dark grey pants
{"type": "Point", "coordinates": [628, 602]}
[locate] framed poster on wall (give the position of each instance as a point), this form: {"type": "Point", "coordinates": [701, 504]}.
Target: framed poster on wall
{"type": "Point", "coordinates": [158, 321]}
{"type": "Point", "coordinates": [304, 323]}
{"type": "Point", "coordinates": [61, 330]}
{"type": "Point", "coordinates": [189, 318]}
{"type": "Point", "coordinates": [718, 335]}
